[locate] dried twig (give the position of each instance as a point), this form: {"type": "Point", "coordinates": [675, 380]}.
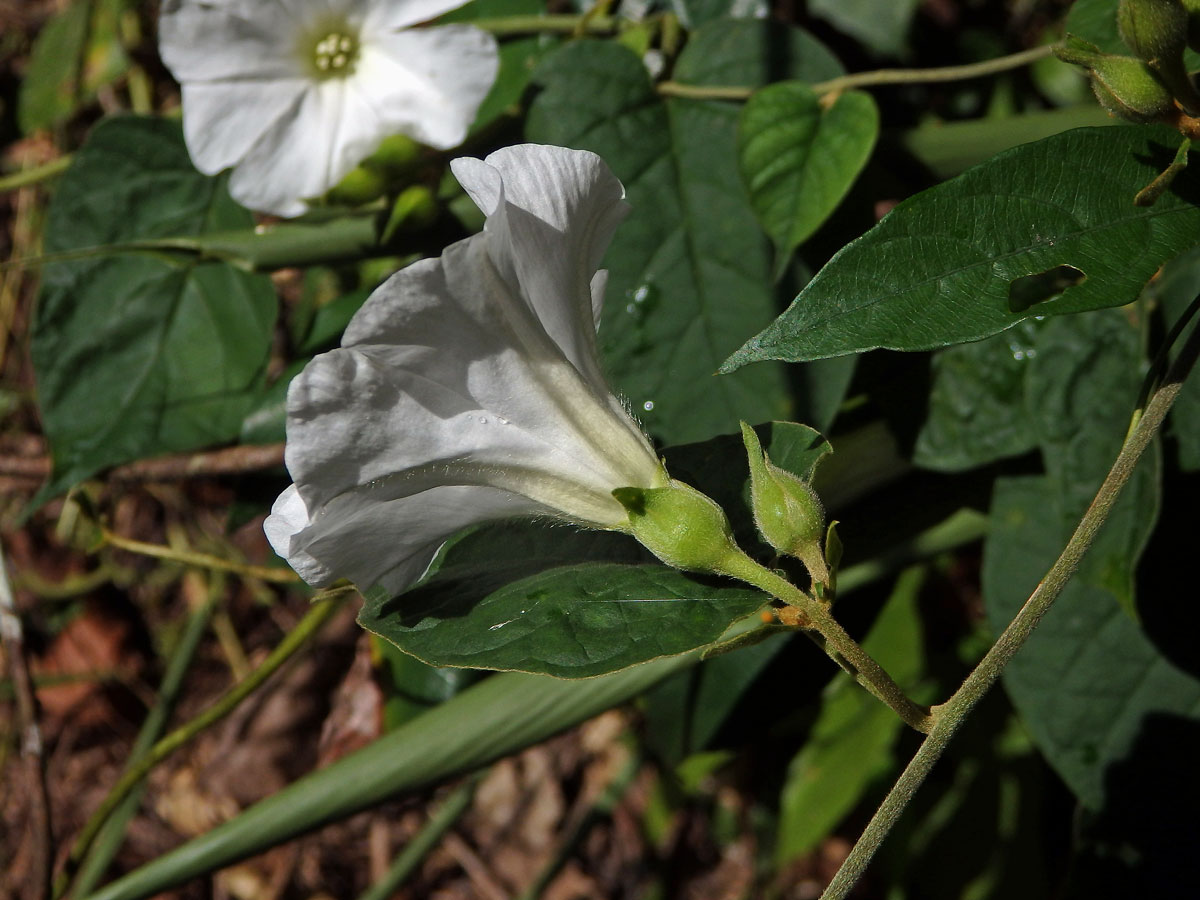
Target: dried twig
{"type": "Point", "coordinates": [38, 886]}
{"type": "Point", "coordinates": [228, 461]}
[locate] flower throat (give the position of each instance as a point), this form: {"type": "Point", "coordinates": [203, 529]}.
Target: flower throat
{"type": "Point", "coordinates": [334, 54]}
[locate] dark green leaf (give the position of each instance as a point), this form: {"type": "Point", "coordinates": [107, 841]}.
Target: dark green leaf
{"type": "Point", "coordinates": [881, 25]}
{"type": "Point", "coordinates": [1088, 675]}
{"type": "Point", "coordinates": [977, 408]}
{"type": "Point", "coordinates": [140, 355]}
{"type": "Point", "coordinates": [573, 622]}
{"type": "Point", "coordinates": [689, 268]}
{"type": "Point", "coordinates": [685, 712]}
{"type": "Point", "coordinates": [1096, 21]}
{"type": "Point", "coordinates": [941, 267]}
{"type": "Point", "coordinates": [1088, 679]}
{"type": "Point", "coordinates": [1174, 290]}
{"type": "Point", "coordinates": [799, 157]}
{"type": "Point", "coordinates": [850, 745]}
{"type": "Point", "coordinates": [410, 687]}
{"type": "Point", "coordinates": [76, 53]}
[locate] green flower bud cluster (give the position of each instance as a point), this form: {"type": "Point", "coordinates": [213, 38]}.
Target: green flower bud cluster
{"type": "Point", "coordinates": [1153, 84]}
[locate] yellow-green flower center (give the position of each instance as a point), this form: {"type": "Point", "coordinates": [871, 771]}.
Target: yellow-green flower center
{"type": "Point", "coordinates": [334, 54]}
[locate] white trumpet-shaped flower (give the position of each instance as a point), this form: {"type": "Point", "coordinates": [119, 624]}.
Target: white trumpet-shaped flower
{"type": "Point", "coordinates": [293, 94]}
{"type": "Point", "coordinates": [467, 388]}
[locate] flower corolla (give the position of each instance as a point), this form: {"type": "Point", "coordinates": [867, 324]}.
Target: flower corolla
{"type": "Point", "coordinates": [293, 94]}
{"type": "Point", "coordinates": [467, 388]}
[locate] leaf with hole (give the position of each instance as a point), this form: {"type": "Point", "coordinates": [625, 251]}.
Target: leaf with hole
{"type": "Point", "coordinates": [953, 263]}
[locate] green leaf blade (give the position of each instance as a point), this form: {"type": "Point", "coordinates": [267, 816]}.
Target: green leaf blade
{"type": "Point", "coordinates": [137, 355]}
{"type": "Point", "coordinates": [798, 158]}
{"type": "Point", "coordinates": [939, 269]}
{"type": "Point", "coordinates": [570, 622]}
{"type": "Point", "coordinates": [689, 270]}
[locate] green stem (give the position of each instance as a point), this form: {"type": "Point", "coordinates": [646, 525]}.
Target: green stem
{"type": "Point", "coordinates": [27, 177]}
{"type": "Point", "coordinates": [317, 616]}
{"type": "Point", "coordinates": [110, 836]}
{"type": "Point", "coordinates": [507, 26]}
{"type": "Point", "coordinates": [948, 717]}
{"type": "Point", "coordinates": [426, 839]}
{"type": "Point", "coordinates": [202, 560]}
{"type": "Point", "coordinates": [874, 78]}
{"type": "Point", "coordinates": [833, 639]}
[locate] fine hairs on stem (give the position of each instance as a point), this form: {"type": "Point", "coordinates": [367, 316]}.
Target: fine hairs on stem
{"type": "Point", "coordinates": [948, 717]}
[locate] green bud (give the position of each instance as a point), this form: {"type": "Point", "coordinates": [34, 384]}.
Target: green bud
{"type": "Point", "coordinates": [360, 186]}
{"type": "Point", "coordinates": [681, 526]}
{"type": "Point", "coordinates": [787, 511]}
{"type": "Point", "coordinates": [396, 157]}
{"type": "Point", "coordinates": [415, 208]}
{"type": "Point", "coordinates": [1077, 51]}
{"type": "Point", "coordinates": [1128, 88]}
{"type": "Point", "coordinates": [1155, 30]}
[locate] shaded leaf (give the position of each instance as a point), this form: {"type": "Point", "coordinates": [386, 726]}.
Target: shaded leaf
{"type": "Point", "coordinates": [881, 25]}
{"type": "Point", "coordinates": [573, 622]}
{"type": "Point", "coordinates": [1087, 676]}
{"type": "Point", "coordinates": [141, 355]}
{"type": "Point", "coordinates": [1174, 290]}
{"type": "Point", "coordinates": [977, 411]}
{"type": "Point", "coordinates": [850, 744]}
{"type": "Point", "coordinates": [940, 267]}
{"type": "Point", "coordinates": [799, 157]}
{"type": "Point", "coordinates": [689, 268]}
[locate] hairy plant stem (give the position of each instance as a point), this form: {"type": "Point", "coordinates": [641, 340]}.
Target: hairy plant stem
{"type": "Point", "coordinates": [949, 716]}
{"type": "Point", "coordinates": [868, 79]}
{"type": "Point", "coordinates": [828, 633]}
{"type": "Point", "coordinates": [320, 613]}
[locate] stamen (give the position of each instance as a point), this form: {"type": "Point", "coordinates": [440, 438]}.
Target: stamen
{"type": "Point", "coordinates": [335, 54]}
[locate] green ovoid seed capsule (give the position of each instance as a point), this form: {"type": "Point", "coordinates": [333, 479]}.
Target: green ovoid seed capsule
{"type": "Point", "coordinates": [787, 511]}
{"type": "Point", "coordinates": [360, 185]}
{"type": "Point", "coordinates": [681, 526]}
{"type": "Point", "coordinates": [1155, 30]}
{"type": "Point", "coordinates": [1128, 88]}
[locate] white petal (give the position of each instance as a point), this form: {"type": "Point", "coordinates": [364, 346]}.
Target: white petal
{"type": "Point", "coordinates": [428, 83]}
{"type": "Point", "coordinates": [288, 518]}
{"type": "Point", "coordinates": [456, 323]}
{"type": "Point", "coordinates": [392, 543]}
{"type": "Point", "coordinates": [367, 416]}
{"type": "Point", "coordinates": [223, 120]}
{"type": "Point", "coordinates": [395, 14]}
{"type": "Point", "coordinates": [304, 155]}
{"type": "Point", "coordinates": [550, 226]}
{"type": "Point", "coordinates": [215, 40]}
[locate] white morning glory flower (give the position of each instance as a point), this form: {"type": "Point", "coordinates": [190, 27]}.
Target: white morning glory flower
{"type": "Point", "coordinates": [293, 94]}
{"type": "Point", "coordinates": [467, 388]}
